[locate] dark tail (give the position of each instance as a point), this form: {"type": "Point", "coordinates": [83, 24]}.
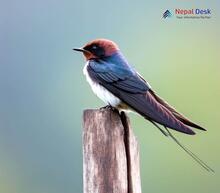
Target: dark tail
{"type": "Point", "coordinates": [178, 116]}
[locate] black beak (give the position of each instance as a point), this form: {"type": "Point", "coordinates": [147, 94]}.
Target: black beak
{"type": "Point", "coordinates": [79, 49]}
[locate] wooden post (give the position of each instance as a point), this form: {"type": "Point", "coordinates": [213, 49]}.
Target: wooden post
{"type": "Point", "coordinates": [110, 153]}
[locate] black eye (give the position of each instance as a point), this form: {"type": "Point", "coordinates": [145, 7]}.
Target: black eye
{"type": "Point", "coordinates": [96, 50]}
{"type": "Point", "coordinates": [94, 47]}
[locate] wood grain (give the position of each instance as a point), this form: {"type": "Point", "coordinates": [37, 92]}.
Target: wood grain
{"type": "Point", "coordinates": [110, 153]}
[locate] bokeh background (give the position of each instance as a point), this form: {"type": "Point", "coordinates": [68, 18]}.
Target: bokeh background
{"type": "Point", "coordinates": [43, 90]}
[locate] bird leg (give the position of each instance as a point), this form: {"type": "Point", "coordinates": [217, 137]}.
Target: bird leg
{"type": "Point", "coordinates": [109, 107]}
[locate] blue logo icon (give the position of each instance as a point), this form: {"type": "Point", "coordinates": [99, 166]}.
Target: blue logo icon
{"type": "Point", "coordinates": [167, 14]}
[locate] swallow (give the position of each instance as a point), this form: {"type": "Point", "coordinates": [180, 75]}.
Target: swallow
{"type": "Point", "coordinates": [120, 86]}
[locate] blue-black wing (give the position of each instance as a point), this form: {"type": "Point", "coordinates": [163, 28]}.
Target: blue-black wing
{"type": "Point", "coordinates": [123, 77]}
{"type": "Point", "coordinates": [127, 85]}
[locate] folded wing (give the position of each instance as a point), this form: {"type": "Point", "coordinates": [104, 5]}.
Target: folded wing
{"type": "Point", "coordinates": [136, 93]}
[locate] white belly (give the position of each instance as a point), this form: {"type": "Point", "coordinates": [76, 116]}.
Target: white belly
{"type": "Point", "coordinates": [100, 91]}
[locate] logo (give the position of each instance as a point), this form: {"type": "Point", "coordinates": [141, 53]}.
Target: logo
{"type": "Point", "coordinates": [167, 14]}
{"type": "Point", "coordinates": [191, 13]}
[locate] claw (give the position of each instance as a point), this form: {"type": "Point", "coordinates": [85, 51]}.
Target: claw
{"type": "Point", "coordinates": [109, 107]}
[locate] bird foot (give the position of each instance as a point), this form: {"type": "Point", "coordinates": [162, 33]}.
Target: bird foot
{"type": "Point", "coordinates": [109, 107]}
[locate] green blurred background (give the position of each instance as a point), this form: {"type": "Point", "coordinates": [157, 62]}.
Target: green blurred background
{"type": "Point", "coordinates": [43, 90]}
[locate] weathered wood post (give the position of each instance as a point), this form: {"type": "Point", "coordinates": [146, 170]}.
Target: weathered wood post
{"type": "Point", "coordinates": [110, 153]}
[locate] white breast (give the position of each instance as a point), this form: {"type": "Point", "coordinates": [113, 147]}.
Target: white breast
{"type": "Point", "coordinates": [100, 91]}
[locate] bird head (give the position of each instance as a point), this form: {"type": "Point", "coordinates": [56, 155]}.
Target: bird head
{"type": "Point", "coordinates": [98, 49]}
